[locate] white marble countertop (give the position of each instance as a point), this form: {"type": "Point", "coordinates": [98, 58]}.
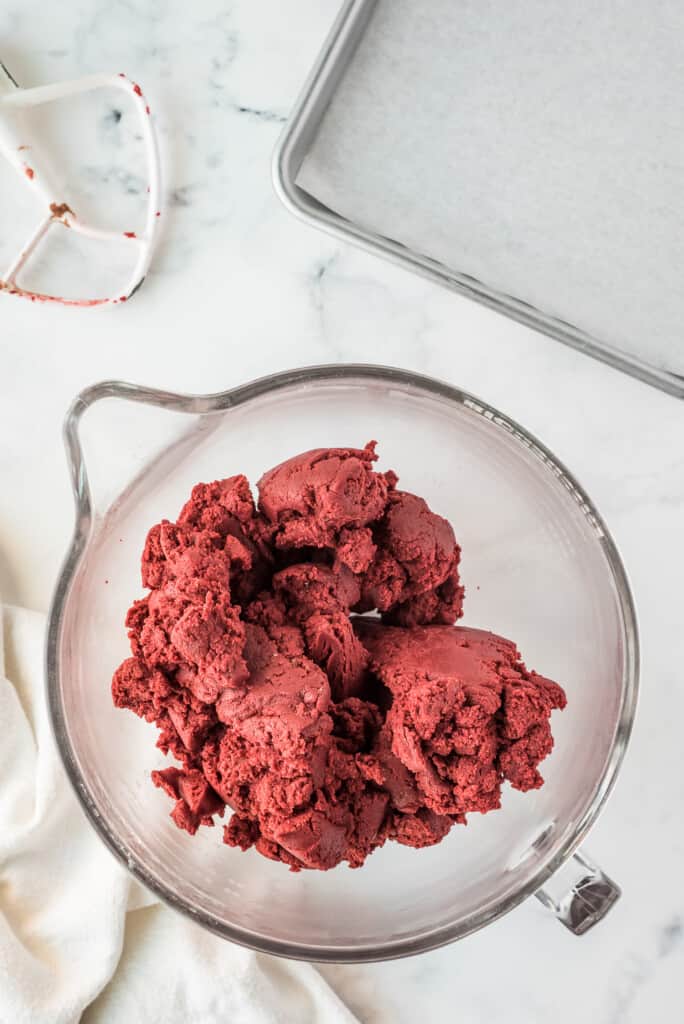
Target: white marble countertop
{"type": "Point", "coordinates": [254, 291]}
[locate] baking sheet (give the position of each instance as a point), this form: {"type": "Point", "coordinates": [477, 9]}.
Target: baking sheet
{"type": "Point", "coordinates": [536, 146]}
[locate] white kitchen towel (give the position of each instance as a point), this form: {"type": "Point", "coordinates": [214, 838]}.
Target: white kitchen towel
{"type": "Point", "coordinates": [79, 939]}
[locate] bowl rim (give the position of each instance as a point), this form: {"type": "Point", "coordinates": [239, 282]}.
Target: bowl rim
{"type": "Point", "coordinates": [220, 401]}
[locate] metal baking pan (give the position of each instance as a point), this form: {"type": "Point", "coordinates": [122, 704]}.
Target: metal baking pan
{"type": "Point", "coordinates": [297, 137]}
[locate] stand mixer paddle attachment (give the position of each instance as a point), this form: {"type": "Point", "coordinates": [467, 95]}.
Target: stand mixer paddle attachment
{"type": "Point", "coordinates": [17, 145]}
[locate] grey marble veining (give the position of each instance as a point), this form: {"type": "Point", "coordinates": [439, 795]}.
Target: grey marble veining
{"type": "Point", "coordinates": [238, 289]}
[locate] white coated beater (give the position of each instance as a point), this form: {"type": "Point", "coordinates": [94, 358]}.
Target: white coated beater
{"type": "Point", "coordinates": [21, 154]}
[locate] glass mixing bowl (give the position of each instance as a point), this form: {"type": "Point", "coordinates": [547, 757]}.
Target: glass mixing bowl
{"type": "Point", "coordinates": [539, 567]}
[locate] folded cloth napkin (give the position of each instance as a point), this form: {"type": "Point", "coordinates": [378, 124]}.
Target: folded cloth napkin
{"type": "Point", "coordinates": [79, 939]}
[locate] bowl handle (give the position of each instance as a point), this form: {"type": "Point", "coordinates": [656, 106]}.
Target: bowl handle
{"type": "Point", "coordinates": [191, 404]}
{"type": "Point", "coordinates": [580, 894]}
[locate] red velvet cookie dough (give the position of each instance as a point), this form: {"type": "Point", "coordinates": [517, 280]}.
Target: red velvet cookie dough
{"type": "Point", "coordinates": [315, 498]}
{"type": "Point", "coordinates": [465, 716]}
{"type": "Point", "coordinates": [413, 577]}
{"type": "Point", "coordinates": [325, 733]}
